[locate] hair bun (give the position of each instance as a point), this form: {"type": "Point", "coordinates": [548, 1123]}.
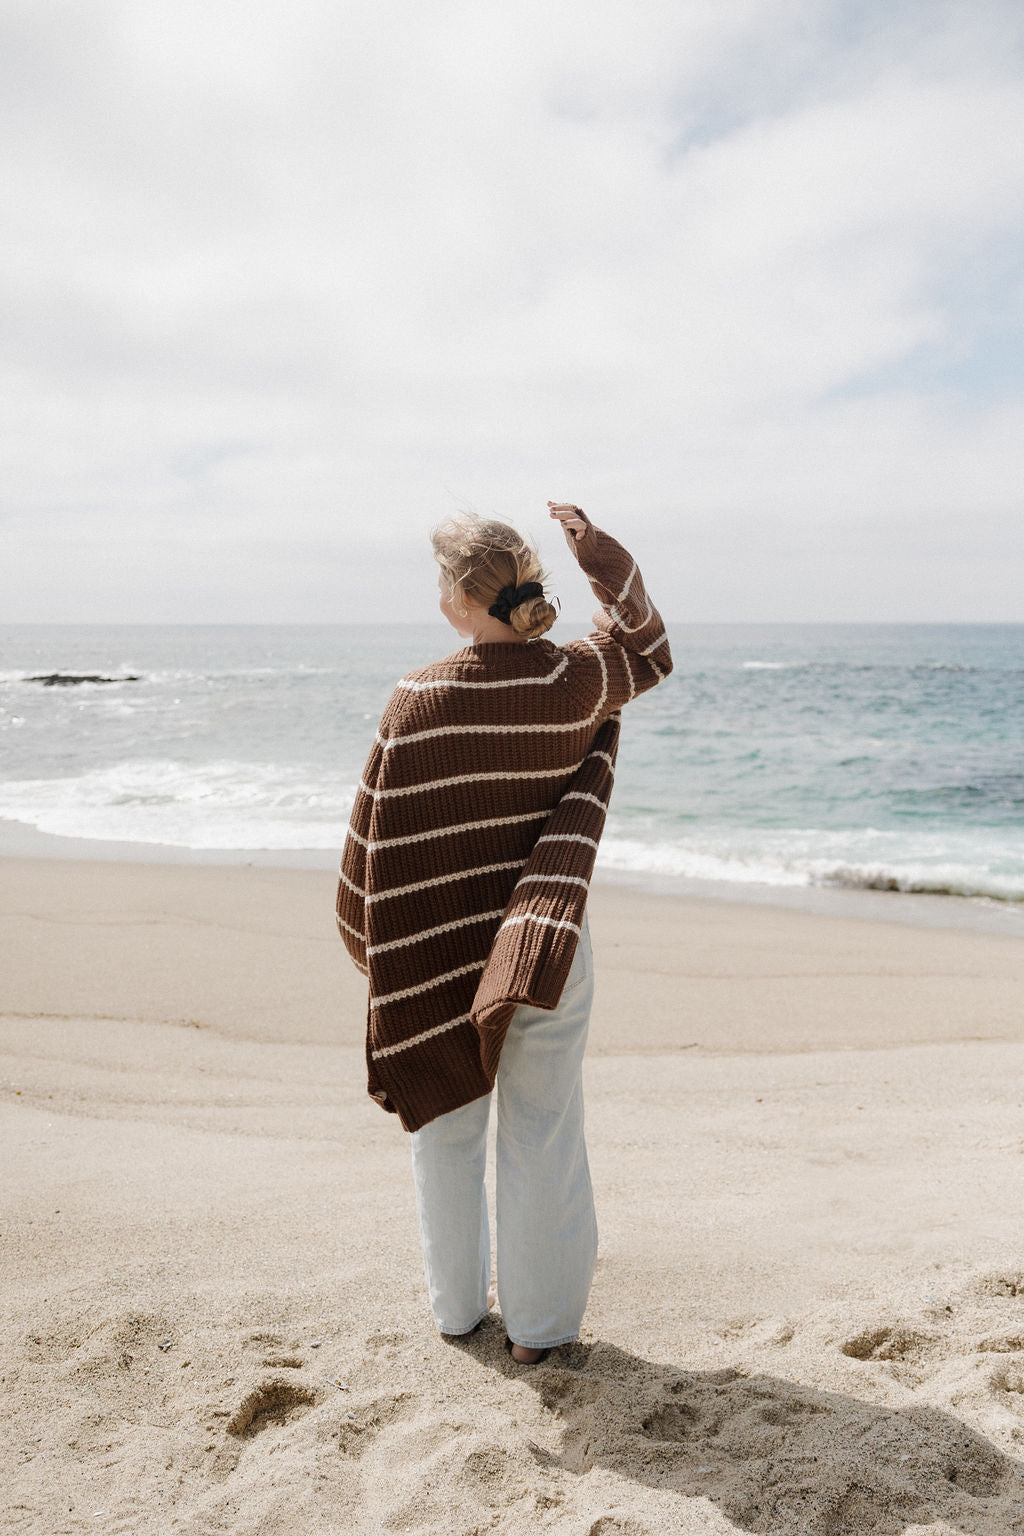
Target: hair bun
{"type": "Point", "coordinates": [533, 617]}
{"type": "Point", "coordinates": [510, 598]}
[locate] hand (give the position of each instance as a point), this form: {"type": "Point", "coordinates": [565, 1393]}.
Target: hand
{"type": "Point", "coordinates": [570, 519]}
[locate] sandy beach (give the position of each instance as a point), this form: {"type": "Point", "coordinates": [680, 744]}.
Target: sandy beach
{"type": "Point", "coordinates": [807, 1145]}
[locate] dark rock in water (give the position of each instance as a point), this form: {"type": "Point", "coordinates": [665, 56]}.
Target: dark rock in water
{"type": "Point", "coordinates": [68, 679]}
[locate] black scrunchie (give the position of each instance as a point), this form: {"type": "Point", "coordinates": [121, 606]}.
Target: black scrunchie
{"type": "Point", "coordinates": [511, 597]}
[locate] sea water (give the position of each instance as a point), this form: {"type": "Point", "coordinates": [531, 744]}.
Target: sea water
{"type": "Point", "coordinates": [874, 756]}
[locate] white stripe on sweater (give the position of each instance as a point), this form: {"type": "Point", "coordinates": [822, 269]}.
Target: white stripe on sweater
{"type": "Point", "coordinates": [351, 884]}
{"type": "Point", "coordinates": [630, 656]}
{"type": "Point", "coordinates": [581, 794]}
{"type": "Point", "coordinates": [355, 932]}
{"type": "Point", "coordinates": [473, 778]}
{"type": "Point", "coordinates": [565, 837]}
{"type": "Point", "coordinates": [549, 922]}
{"type": "Point", "coordinates": [482, 730]}
{"type": "Point", "coordinates": [459, 874]}
{"type": "Point", "coordinates": [509, 682]}
{"type": "Point", "coordinates": [566, 879]}
{"type": "Point", "coordinates": [428, 1034]}
{"type": "Point", "coordinates": [429, 933]}
{"type": "Point", "coordinates": [426, 986]}
{"type": "Point", "coordinates": [354, 852]}
{"type": "Point", "coordinates": [630, 629]}
{"type": "Point", "coordinates": [461, 826]}
{"type": "Point", "coordinates": [629, 583]}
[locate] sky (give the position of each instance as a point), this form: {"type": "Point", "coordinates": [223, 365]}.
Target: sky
{"type": "Point", "coordinates": [286, 282]}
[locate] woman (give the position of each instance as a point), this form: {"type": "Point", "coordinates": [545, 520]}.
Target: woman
{"type": "Point", "coordinates": [462, 897]}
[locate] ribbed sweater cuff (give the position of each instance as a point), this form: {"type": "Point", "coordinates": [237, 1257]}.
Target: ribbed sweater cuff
{"type": "Point", "coordinates": [532, 967]}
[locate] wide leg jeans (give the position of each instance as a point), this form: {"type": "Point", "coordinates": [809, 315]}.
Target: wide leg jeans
{"type": "Point", "coordinates": [545, 1219]}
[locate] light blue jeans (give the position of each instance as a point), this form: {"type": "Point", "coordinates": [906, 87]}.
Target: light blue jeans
{"type": "Point", "coordinates": [546, 1225]}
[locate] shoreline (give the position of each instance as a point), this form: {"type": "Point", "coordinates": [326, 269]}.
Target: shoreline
{"type": "Point", "coordinates": [980, 914]}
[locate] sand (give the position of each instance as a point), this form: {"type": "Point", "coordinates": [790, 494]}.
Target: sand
{"type": "Point", "coordinates": [807, 1144]}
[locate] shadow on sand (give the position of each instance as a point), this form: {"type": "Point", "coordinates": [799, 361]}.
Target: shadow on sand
{"type": "Point", "coordinates": [775, 1458]}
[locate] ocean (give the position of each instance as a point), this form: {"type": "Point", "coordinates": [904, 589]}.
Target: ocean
{"type": "Point", "coordinates": [878, 757]}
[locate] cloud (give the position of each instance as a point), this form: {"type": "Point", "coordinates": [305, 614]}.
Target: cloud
{"type": "Point", "coordinates": [290, 281]}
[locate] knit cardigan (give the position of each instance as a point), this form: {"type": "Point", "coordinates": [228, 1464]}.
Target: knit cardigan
{"type": "Point", "coordinates": [473, 836]}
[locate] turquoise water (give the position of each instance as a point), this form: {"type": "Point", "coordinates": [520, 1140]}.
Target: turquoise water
{"type": "Point", "coordinates": [875, 756]}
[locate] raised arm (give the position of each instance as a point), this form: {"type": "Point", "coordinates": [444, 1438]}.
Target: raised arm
{"type": "Point", "coordinates": [629, 631]}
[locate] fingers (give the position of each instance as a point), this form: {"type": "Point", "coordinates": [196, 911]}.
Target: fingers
{"type": "Point", "coordinates": [569, 517]}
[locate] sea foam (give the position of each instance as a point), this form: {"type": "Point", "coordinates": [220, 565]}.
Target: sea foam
{"type": "Point", "coordinates": [216, 805]}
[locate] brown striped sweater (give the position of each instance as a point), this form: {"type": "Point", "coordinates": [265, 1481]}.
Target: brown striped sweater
{"type": "Point", "coordinates": [473, 837]}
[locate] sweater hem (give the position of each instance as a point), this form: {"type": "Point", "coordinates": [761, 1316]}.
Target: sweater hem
{"type": "Point", "coordinates": [413, 1120]}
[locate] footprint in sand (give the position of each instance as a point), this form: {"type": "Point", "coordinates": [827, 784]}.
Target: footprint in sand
{"type": "Point", "coordinates": [697, 1418]}
{"type": "Point", "coordinates": [423, 1473]}
{"type": "Point", "coordinates": [915, 1353]}
{"type": "Point", "coordinates": [1008, 1378]}
{"type": "Point", "coordinates": [893, 1342]}
{"type": "Point", "coordinates": [1011, 1285]}
{"type": "Point", "coordinates": [386, 1338]}
{"type": "Point", "coordinates": [275, 1400]}
{"type": "Point", "coordinates": [49, 1348]}
{"type": "Point", "coordinates": [564, 1394]}
{"type": "Point", "coordinates": [578, 1403]}
{"type": "Point", "coordinates": [1002, 1344]}
{"type": "Point", "coordinates": [363, 1423]}
{"type": "Point", "coordinates": [276, 1355]}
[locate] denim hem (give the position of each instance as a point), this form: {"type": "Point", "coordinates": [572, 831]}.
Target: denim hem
{"type": "Point", "coordinates": [457, 1333]}
{"type": "Point", "coordinates": [569, 1338]}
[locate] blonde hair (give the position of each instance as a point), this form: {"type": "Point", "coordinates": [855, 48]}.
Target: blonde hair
{"type": "Point", "coordinates": [481, 556]}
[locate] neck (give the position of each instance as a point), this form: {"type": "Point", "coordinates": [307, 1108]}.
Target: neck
{"type": "Point", "coordinates": [491, 631]}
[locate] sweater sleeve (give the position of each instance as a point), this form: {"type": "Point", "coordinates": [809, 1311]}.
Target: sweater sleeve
{"type": "Point", "coordinates": [351, 899]}
{"type": "Point", "coordinates": [629, 638]}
